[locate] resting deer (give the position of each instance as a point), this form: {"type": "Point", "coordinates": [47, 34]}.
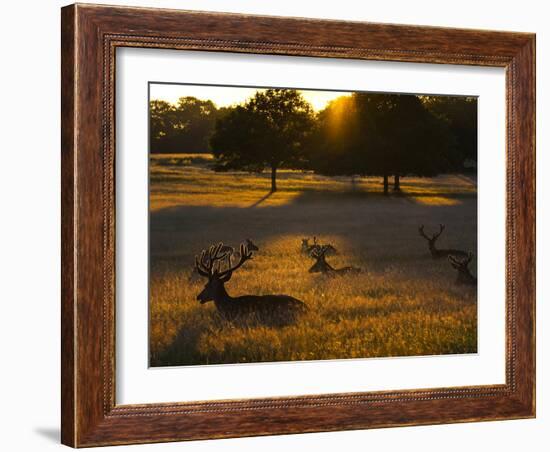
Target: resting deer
{"type": "Point", "coordinates": [230, 252]}
{"type": "Point", "coordinates": [322, 266]}
{"type": "Point", "coordinates": [270, 308]}
{"type": "Point", "coordinates": [307, 248]}
{"type": "Point", "coordinates": [464, 277]}
{"type": "Point", "coordinates": [436, 253]}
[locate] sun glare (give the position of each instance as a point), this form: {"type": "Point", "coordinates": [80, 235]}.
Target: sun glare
{"type": "Point", "coordinates": [320, 99]}
{"type": "Point", "coordinates": [225, 96]}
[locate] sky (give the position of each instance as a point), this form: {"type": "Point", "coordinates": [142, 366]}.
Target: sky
{"type": "Point", "coordinates": [224, 96]}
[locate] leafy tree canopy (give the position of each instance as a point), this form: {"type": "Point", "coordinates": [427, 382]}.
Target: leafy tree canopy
{"type": "Point", "coordinates": [377, 134]}
{"type": "Point", "coordinates": [380, 134]}
{"type": "Point", "coordinates": [269, 131]}
{"type": "Point", "coordinates": [183, 127]}
{"type": "Point", "coordinates": [460, 114]}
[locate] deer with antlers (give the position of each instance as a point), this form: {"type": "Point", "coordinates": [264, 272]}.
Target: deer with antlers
{"type": "Point", "coordinates": [322, 266]}
{"type": "Point", "coordinates": [266, 308]}
{"type": "Point", "coordinates": [306, 248]}
{"type": "Point", "coordinates": [464, 277]}
{"type": "Point", "coordinates": [439, 253]}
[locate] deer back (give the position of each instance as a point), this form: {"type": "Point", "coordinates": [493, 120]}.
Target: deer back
{"type": "Point", "coordinates": [264, 309]}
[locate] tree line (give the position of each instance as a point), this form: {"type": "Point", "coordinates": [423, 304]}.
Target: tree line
{"type": "Point", "coordinates": [184, 127]}
{"type": "Point", "coordinates": [362, 134]}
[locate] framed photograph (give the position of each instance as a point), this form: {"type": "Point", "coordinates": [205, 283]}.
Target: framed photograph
{"type": "Point", "coordinates": [282, 225]}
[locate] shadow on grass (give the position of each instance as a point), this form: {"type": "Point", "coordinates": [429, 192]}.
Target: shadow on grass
{"type": "Point", "coordinates": [365, 220]}
{"type": "Point", "coordinates": [262, 199]}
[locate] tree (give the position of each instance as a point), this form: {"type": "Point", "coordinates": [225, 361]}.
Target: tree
{"type": "Point", "coordinates": [184, 127]}
{"type": "Point", "coordinates": [381, 135]}
{"type": "Point", "coordinates": [269, 131]}
{"type": "Point", "coordinates": [331, 149]}
{"type": "Point", "coordinates": [460, 114]}
{"type": "Point", "coordinates": [161, 119]}
{"type": "Point", "coordinates": [421, 141]}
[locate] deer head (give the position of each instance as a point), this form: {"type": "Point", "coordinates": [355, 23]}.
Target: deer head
{"type": "Point", "coordinates": [461, 265]}
{"type": "Point", "coordinates": [320, 265]}
{"type": "Point", "coordinates": [209, 265]}
{"type": "Point", "coordinates": [431, 240]}
{"type": "Point", "coordinates": [306, 247]}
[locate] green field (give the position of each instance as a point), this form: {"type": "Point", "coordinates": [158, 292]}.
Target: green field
{"type": "Point", "coordinates": [403, 303]}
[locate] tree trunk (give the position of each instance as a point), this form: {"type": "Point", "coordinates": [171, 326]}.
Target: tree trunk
{"type": "Point", "coordinates": [396, 183]}
{"type": "Point", "coordinates": [273, 178]}
{"type": "Point", "coordinates": [385, 184]}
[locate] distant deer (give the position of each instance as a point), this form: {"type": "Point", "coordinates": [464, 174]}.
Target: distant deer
{"type": "Point", "coordinates": [307, 248]}
{"type": "Point", "coordinates": [229, 249]}
{"type": "Point", "coordinates": [267, 308]}
{"type": "Point", "coordinates": [439, 253]}
{"type": "Point", "coordinates": [464, 277]}
{"type": "Point", "coordinates": [231, 253]}
{"type": "Point", "coordinates": [322, 266]}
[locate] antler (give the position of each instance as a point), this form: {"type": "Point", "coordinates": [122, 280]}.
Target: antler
{"type": "Point", "coordinates": [422, 233]}
{"type": "Point", "coordinates": [461, 262]}
{"type": "Point", "coordinates": [206, 264]}
{"type": "Point", "coordinates": [434, 236]}
{"type": "Point", "coordinates": [319, 251]}
{"type": "Point", "coordinates": [441, 229]}
{"type": "Point", "coordinates": [454, 261]}
{"type": "Point", "coordinates": [245, 255]}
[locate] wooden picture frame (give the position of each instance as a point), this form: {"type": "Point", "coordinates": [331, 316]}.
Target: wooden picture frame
{"type": "Point", "coordinates": [90, 36]}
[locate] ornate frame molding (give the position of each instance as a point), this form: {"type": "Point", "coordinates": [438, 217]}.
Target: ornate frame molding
{"type": "Point", "coordinates": [90, 37]}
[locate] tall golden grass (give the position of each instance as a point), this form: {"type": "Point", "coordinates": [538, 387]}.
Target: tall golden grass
{"type": "Point", "coordinates": [403, 303]}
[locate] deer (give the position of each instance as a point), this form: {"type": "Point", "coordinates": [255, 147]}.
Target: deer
{"type": "Point", "coordinates": [265, 308]}
{"type": "Point", "coordinates": [230, 252]}
{"type": "Point", "coordinates": [249, 243]}
{"type": "Point", "coordinates": [322, 266]}
{"type": "Point", "coordinates": [439, 253]}
{"type": "Point", "coordinates": [464, 277]}
{"type": "Point", "coordinates": [307, 248]}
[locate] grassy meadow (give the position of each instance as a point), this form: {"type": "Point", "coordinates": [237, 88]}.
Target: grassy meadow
{"type": "Point", "coordinates": [404, 303]}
